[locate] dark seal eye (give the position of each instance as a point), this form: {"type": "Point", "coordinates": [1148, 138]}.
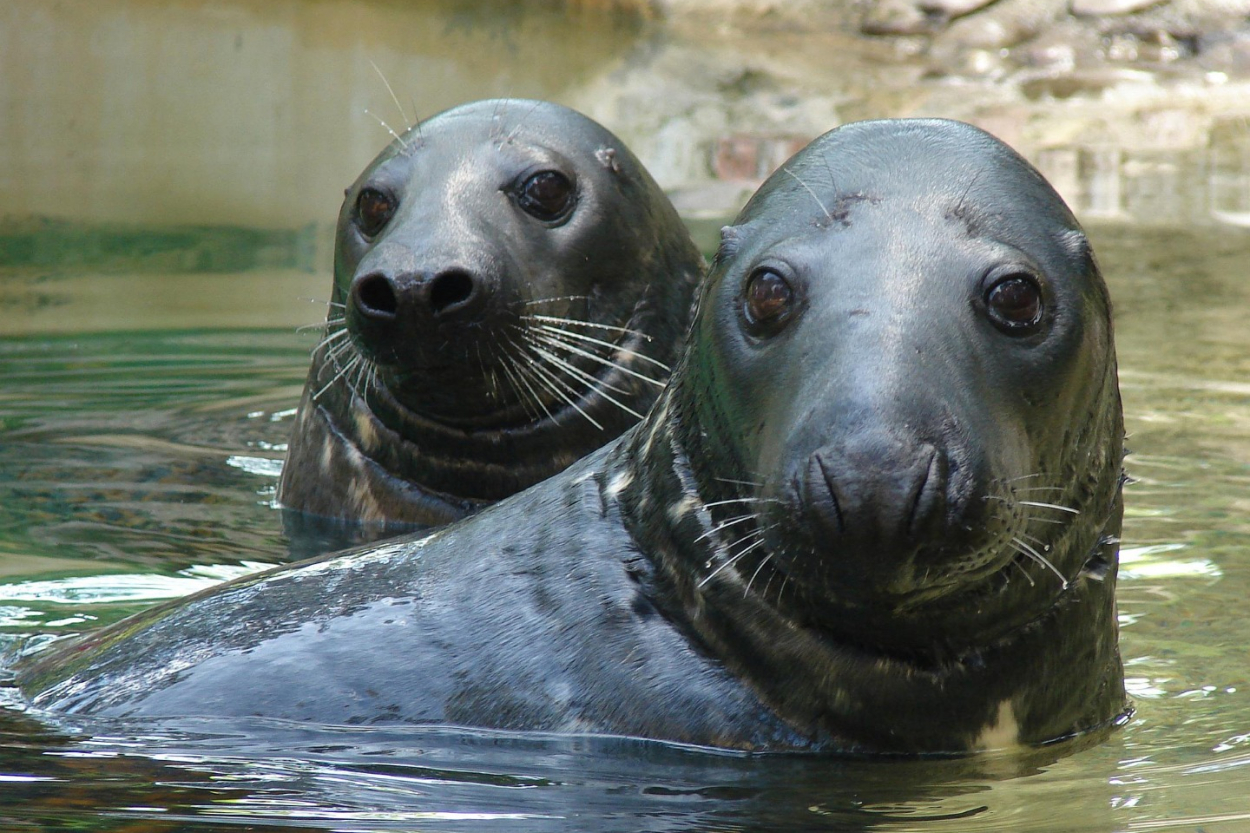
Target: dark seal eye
{"type": "Point", "coordinates": [374, 210]}
{"type": "Point", "coordinates": [1015, 304]}
{"type": "Point", "coordinates": [547, 195]}
{"type": "Point", "coordinates": [769, 300]}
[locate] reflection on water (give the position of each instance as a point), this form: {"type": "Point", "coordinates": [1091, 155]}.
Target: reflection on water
{"type": "Point", "coordinates": [168, 178]}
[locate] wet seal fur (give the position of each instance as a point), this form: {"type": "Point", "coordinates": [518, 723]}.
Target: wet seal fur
{"type": "Point", "coordinates": [876, 510]}
{"type": "Point", "coordinates": [510, 289]}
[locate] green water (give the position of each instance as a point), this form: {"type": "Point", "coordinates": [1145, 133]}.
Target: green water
{"type": "Point", "coordinates": [141, 465]}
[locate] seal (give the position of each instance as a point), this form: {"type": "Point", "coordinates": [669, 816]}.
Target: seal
{"type": "Point", "coordinates": [877, 509]}
{"type": "Point", "coordinates": [510, 289]}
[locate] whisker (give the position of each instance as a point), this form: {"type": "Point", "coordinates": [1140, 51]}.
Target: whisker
{"type": "Point", "coordinates": [552, 342]}
{"type": "Point", "coordinates": [1045, 546]}
{"type": "Point", "coordinates": [333, 335]}
{"type": "Point", "coordinates": [519, 124]}
{"type": "Point", "coordinates": [556, 331]}
{"type": "Point", "coordinates": [729, 562]}
{"type": "Point", "coordinates": [742, 500]}
{"type": "Point", "coordinates": [515, 373]}
{"type": "Point", "coordinates": [725, 525]}
{"type": "Point", "coordinates": [828, 216]}
{"type": "Point", "coordinates": [340, 372]}
{"type": "Point", "coordinates": [592, 383]}
{"type": "Point", "coordinates": [746, 536]}
{"type": "Point", "coordinates": [553, 319]}
{"type": "Point", "coordinates": [1025, 549]}
{"type": "Point", "coordinates": [1050, 506]}
{"type": "Point", "coordinates": [389, 129]}
{"type": "Point", "coordinates": [739, 482]}
{"type": "Point", "coordinates": [1024, 572]}
{"type": "Point", "coordinates": [559, 388]}
{"type": "Point", "coordinates": [556, 298]}
{"type": "Point", "coordinates": [760, 566]}
{"type": "Point", "coordinates": [538, 344]}
{"type": "Point", "coordinates": [394, 97]}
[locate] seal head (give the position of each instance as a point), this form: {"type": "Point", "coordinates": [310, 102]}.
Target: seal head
{"type": "Point", "coordinates": [510, 286]}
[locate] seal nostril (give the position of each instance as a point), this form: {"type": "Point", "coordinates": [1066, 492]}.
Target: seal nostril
{"type": "Point", "coordinates": [450, 289]}
{"type": "Point", "coordinates": [375, 296]}
{"type": "Point", "coordinates": [928, 504]}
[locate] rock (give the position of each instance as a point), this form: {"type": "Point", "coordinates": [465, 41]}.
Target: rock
{"type": "Point", "coordinates": [1094, 8]}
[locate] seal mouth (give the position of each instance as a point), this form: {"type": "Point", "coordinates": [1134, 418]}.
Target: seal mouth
{"type": "Point", "coordinates": [931, 597]}
{"type": "Point", "coordinates": [534, 371]}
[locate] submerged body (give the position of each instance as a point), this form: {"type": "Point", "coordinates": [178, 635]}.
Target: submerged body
{"type": "Point", "coordinates": [510, 288]}
{"type": "Point", "coordinates": [877, 510]}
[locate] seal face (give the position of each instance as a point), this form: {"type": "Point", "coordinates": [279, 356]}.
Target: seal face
{"type": "Point", "coordinates": [510, 286]}
{"type": "Point", "coordinates": [877, 509]}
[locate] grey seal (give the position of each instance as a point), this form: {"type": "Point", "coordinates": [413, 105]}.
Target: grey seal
{"type": "Point", "coordinates": [876, 510]}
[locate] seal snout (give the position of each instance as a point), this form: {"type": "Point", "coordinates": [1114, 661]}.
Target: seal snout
{"type": "Point", "coordinates": [448, 293]}
{"type": "Point", "coordinates": [876, 502]}
{"type": "Point", "coordinates": [397, 316]}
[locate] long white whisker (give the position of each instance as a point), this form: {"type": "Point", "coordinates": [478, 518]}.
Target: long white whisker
{"type": "Point", "coordinates": [394, 97]}
{"type": "Point", "coordinates": [793, 176]}
{"type": "Point", "coordinates": [511, 361]}
{"type": "Point", "coordinates": [1024, 572]}
{"type": "Point", "coordinates": [742, 500]}
{"type": "Point", "coordinates": [589, 378]}
{"type": "Point", "coordinates": [556, 298]}
{"type": "Point", "coordinates": [389, 129]}
{"type": "Point", "coordinates": [1036, 556]}
{"type": "Point", "coordinates": [556, 331]}
{"type": "Point", "coordinates": [554, 384]}
{"type": "Point", "coordinates": [591, 381]}
{"type": "Point", "coordinates": [1050, 506]}
{"type": "Point", "coordinates": [552, 319]}
{"type": "Point", "coordinates": [729, 562]}
{"type": "Point", "coordinates": [340, 372]}
{"type": "Point", "coordinates": [724, 525]}
{"type": "Point", "coordinates": [738, 482]}
{"type": "Point", "coordinates": [608, 363]}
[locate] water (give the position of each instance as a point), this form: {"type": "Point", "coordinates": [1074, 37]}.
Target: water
{"type": "Point", "coordinates": [169, 172]}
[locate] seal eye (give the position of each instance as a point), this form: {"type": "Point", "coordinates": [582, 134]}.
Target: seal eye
{"type": "Point", "coordinates": [547, 195]}
{"type": "Point", "coordinates": [769, 299]}
{"type": "Point", "coordinates": [1015, 303]}
{"type": "Point", "coordinates": [374, 210]}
